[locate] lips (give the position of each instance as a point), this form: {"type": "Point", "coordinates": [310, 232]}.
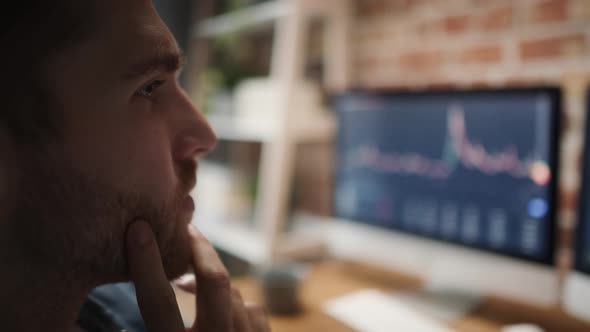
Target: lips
{"type": "Point", "coordinates": [187, 174]}
{"type": "Point", "coordinates": [188, 205]}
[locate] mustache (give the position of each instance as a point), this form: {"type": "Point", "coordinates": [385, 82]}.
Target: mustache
{"type": "Point", "coordinates": [187, 176]}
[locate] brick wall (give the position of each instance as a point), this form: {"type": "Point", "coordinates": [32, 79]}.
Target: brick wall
{"type": "Point", "coordinates": [401, 44]}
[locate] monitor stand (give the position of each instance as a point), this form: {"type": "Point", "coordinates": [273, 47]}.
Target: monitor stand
{"type": "Point", "coordinates": [447, 305]}
{"type": "Point", "coordinates": [449, 292]}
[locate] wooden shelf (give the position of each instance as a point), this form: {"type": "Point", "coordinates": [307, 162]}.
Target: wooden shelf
{"type": "Point", "coordinates": [322, 129]}
{"type": "Point", "coordinates": [244, 242]}
{"type": "Point", "coordinates": [235, 238]}
{"type": "Point", "coordinates": [252, 17]}
{"type": "Point", "coordinates": [241, 129]}
{"type": "Point", "coordinates": [259, 241]}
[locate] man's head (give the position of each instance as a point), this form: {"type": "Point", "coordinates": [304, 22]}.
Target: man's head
{"type": "Point", "coordinates": [95, 134]}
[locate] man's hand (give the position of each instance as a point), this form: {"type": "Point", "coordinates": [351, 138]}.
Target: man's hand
{"type": "Point", "coordinates": [219, 308]}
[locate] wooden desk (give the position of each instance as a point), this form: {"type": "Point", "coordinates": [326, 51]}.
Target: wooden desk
{"type": "Point", "coordinates": [332, 279]}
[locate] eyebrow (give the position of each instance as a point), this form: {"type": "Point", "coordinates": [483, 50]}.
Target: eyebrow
{"type": "Point", "coordinates": [168, 62]}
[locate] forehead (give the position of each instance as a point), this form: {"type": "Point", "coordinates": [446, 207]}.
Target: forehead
{"type": "Point", "coordinates": [134, 30]}
{"type": "Point", "coordinates": [127, 32]}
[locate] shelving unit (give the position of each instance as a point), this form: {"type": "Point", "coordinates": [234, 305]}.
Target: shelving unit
{"type": "Point", "coordinates": [265, 241]}
{"type": "Point", "coordinates": [250, 130]}
{"type": "Point", "coordinates": [255, 17]}
{"type": "Point", "coordinates": [236, 239]}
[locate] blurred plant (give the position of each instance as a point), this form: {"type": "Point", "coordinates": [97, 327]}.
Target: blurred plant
{"type": "Point", "coordinates": [224, 6]}
{"type": "Point", "coordinates": [211, 83]}
{"type": "Point", "coordinates": [233, 57]}
{"type": "Point", "coordinates": [229, 52]}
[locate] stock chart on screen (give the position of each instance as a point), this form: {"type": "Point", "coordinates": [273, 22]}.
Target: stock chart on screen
{"type": "Point", "coordinates": [472, 168]}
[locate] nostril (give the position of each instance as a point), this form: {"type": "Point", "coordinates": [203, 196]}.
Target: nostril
{"type": "Point", "coordinates": [186, 148]}
{"type": "Point", "coordinates": [202, 152]}
{"type": "Point", "coordinates": [190, 147]}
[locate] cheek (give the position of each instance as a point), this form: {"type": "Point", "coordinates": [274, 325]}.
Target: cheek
{"type": "Point", "coordinates": [144, 161]}
{"type": "Point", "coordinates": [130, 158]}
{"type": "Point", "coordinates": [153, 169]}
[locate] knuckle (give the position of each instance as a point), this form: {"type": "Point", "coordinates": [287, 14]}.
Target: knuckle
{"type": "Point", "coordinates": [236, 293]}
{"type": "Point", "coordinates": [218, 277]}
{"type": "Point", "coordinates": [197, 235]}
{"type": "Point", "coordinates": [256, 308]}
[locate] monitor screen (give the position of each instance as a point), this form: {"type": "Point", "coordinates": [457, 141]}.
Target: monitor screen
{"type": "Point", "coordinates": [472, 168]}
{"type": "Point", "coordinates": [583, 230]}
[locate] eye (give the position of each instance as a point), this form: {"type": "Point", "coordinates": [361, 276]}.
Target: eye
{"type": "Point", "coordinates": [148, 90]}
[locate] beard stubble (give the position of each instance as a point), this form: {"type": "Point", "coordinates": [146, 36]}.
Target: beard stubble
{"type": "Point", "coordinates": [71, 222]}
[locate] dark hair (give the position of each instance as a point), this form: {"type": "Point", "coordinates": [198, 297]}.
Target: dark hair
{"type": "Point", "coordinates": [31, 32]}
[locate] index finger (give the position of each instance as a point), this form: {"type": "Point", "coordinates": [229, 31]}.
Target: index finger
{"type": "Point", "coordinates": [214, 299]}
{"type": "Point", "coordinates": [155, 296]}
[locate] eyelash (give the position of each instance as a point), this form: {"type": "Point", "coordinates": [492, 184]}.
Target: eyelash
{"type": "Point", "coordinates": [152, 86]}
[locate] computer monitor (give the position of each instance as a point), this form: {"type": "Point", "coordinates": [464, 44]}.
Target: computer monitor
{"type": "Point", "coordinates": [577, 287]}
{"type": "Point", "coordinates": [457, 187]}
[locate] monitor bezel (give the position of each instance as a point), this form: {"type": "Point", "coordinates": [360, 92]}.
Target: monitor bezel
{"type": "Point", "coordinates": [583, 209]}
{"type": "Point", "coordinates": [554, 94]}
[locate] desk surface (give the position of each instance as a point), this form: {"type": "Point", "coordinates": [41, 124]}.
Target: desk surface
{"type": "Point", "coordinates": [332, 279]}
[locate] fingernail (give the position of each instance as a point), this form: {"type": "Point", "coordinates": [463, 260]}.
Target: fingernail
{"type": "Point", "coordinates": [192, 229]}
{"type": "Point", "coordinates": [140, 233]}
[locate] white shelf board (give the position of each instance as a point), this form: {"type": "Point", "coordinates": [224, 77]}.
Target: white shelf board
{"type": "Point", "coordinates": [243, 19]}
{"type": "Point", "coordinates": [306, 240]}
{"type": "Point", "coordinates": [235, 238]}
{"type": "Point", "coordinates": [240, 129]}
{"type": "Point", "coordinates": [256, 130]}
{"type": "Point", "coordinates": [321, 129]}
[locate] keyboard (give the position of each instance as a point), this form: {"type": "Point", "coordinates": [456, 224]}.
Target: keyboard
{"type": "Point", "coordinates": [375, 311]}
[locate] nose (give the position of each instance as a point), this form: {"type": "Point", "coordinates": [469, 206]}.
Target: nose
{"type": "Point", "coordinates": [195, 136]}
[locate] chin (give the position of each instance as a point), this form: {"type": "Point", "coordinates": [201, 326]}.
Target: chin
{"type": "Point", "coordinates": [176, 255]}
{"type": "Point", "coordinates": [176, 266]}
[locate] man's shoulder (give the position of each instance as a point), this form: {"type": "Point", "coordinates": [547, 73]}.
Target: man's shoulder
{"type": "Point", "coordinates": [111, 307]}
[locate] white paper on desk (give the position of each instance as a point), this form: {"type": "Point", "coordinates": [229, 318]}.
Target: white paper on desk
{"type": "Point", "coordinates": [374, 311]}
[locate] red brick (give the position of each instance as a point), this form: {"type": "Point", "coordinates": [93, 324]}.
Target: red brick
{"type": "Point", "coordinates": [456, 24]}
{"type": "Point", "coordinates": [565, 238]}
{"type": "Point", "coordinates": [478, 84]}
{"type": "Point", "coordinates": [376, 7]}
{"type": "Point", "coordinates": [452, 25]}
{"type": "Point", "coordinates": [549, 11]}
{"type": "Point", "coordinates": [555, 47]}
{"type": "Point", "coordinates": [568, 200]}
{"type": "Point", "coordinates": [371, 7]}
{"type": "Point", "coordinates": [481, 55]}
{"type": "Point", "coordinates": [421, 59]}
{"type": "Point", "coordinates": [401, 5]}
{"type": "Point", "coordinates": [497, 19]}
{"type": "Point", "coordinates": [409, 4]}
{"type": "Point", "coordinates": [374, 35]}
{"type": "Point", "coordinates": [368, 63]}
{"type": "Point", "coordinates": [429, 27]}
{"type": "Point", "coordinates": [580, 10]}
